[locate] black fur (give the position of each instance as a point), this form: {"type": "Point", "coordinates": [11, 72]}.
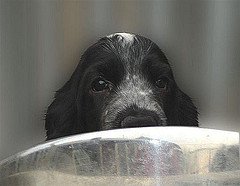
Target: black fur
{"type": "Point", "coordinates": [77, 109]}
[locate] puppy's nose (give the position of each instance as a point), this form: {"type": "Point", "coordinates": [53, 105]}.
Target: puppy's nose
{"type": "Point", "coordinates": [138, 121]}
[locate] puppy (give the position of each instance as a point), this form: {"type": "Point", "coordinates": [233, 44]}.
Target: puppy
{"type": "Point", "coordinates": [123, 80]}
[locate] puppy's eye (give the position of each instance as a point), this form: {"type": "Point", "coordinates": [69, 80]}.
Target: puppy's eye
{"type": "Point", "coordinates": [162, 82]}
{"type": "Point", "coordinates": [100, 84]}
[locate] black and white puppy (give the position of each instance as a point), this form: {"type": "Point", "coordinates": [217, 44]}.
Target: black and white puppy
{"type": "Point", "coordinates": [123, 80]}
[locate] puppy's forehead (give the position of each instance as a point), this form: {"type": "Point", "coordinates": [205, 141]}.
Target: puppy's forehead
{"type": "Point", "coordinates": [128, 46]}
{"type": "Point", "coordinates": [132, 51]}
{"type": "Point", "coordinates": [123, 38]}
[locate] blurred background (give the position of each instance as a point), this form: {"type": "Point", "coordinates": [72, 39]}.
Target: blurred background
{"type": "Point", "coordinates": [42, 40]}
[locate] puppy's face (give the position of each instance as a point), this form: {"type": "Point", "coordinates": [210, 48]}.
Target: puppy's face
{"type": "Point", "coordinates": [123, 80]}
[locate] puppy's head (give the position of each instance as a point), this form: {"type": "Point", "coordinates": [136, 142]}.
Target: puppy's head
{"type": "Point", "coordinates": [123, 80]}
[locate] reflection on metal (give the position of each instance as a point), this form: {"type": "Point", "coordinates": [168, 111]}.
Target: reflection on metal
{"type": "Point", "coordinates": [139, 156]}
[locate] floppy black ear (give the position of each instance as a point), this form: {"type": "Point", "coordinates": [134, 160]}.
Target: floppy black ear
{"type": "Point", "coordinates": [186, 110]}
{"type": "Point", "coordinates": [182, 111]}
{"type": "Point", "coordinates": [61, 116]}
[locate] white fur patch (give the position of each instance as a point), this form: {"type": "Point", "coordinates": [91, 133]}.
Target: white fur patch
{"type": "Point", "coordinates": [133, 91]}
{"type": "Point", "coordinates": [125, 38]}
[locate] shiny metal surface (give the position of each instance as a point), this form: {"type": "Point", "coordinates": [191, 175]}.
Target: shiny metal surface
{"type": "Point", "coordinates": [138, 156]}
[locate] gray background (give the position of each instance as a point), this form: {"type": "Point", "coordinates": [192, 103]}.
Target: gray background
{"type": "Point", "coordinates": [41, 43]}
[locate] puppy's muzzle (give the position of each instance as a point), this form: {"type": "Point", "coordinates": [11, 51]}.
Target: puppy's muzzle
{"type": "Point", "coordinates": [138, 121]}
{"type": "Point", "coordinates": [135, 117]}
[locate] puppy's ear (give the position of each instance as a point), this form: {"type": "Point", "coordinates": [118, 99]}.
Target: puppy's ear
{"type": "Point", "coordinates": [61, 115]}
{"type": "Point", "coordinates": [186, 111]}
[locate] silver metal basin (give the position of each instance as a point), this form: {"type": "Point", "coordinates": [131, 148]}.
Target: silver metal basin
{"type": "Point", "coordinates": [137, 156]}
